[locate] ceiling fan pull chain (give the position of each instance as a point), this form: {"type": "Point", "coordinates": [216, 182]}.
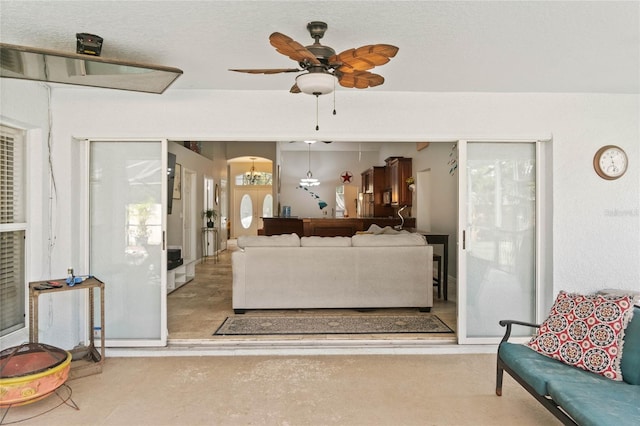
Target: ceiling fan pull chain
{"type": "Point", "coordinates": [317, 126]}
{"type": "Point", "coordinates": [334, 96]}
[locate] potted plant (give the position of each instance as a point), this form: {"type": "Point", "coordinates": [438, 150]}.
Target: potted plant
{"type": "Point", "coordinates": [411, 183]}
{"type": "Point", "coordinates": [211, 215]}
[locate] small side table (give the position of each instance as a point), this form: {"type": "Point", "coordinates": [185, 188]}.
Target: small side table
{"type": "Point", "coordinates": [205, 242]}
{"type": "Point", "coordinates": [86, 360]}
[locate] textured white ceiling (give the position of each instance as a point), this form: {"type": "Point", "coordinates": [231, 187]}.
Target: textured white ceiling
{"type": "Point", "coordinates": [445, 46]}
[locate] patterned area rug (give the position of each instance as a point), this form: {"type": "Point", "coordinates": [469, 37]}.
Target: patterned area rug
{"type": "Point", "coordinates": [325, 324]}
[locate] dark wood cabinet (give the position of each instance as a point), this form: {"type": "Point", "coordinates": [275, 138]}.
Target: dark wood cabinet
{"type": "Point", "coordinates": [398, 171]}
{"type": "Point", "coordinates": [373, 187]}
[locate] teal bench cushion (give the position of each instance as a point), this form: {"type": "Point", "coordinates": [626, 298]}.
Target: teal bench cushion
{"type": "Point", "coordinates": [630, 363]}
{"type": "Point", "coordinates": [595, 404]}
{"type": "Point", "coordinates": [538, 370]}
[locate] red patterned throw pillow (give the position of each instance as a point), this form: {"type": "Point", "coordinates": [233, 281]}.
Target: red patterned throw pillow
{"type": "Point", "coordinates": [586, 331]}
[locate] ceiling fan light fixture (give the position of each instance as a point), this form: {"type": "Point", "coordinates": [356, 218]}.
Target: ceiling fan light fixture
{"type": "Point", "coordinates": [316, 83]}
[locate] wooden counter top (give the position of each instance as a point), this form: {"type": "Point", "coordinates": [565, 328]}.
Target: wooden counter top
{"type": "Point", "coordinates": [328, 227]}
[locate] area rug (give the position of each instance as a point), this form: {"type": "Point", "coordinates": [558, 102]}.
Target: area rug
{"type": "Point", "coordinates": [245, 325]}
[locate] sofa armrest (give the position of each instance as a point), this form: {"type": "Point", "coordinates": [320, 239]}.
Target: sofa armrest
{"type": "Point", "coordinates": [509, 323]}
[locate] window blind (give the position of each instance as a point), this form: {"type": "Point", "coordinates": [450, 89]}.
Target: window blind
{"type": "Point", "coordinates": [12, 230]}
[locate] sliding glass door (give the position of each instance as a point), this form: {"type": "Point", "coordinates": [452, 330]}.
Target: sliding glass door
{"type": "Point", "coordinates": [128, 207]}
{"type": "Point", "coordinates": [497, 246]}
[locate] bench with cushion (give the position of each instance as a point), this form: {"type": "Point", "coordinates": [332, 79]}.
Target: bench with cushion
{"type": "Point", "coordinates": [591, 396]}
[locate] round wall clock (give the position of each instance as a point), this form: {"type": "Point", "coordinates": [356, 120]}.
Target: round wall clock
{"type": "Point", "coordinates": [610, 162]}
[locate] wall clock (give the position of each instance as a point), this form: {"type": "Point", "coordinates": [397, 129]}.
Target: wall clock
{"type": "Point", "coordinates": [610, 162]}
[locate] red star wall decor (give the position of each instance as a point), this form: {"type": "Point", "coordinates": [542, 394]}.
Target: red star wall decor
{"type": "Point", "coordinates": [346, 177]}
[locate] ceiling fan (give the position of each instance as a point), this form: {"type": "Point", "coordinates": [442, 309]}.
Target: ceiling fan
{"type": "Point", "coordinates": [322, 67]}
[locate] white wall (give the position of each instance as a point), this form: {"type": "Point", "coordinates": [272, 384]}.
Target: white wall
{"type": "Point", "coordinates": [596, 223]}
{"type": "Point", "coordinates": [585, 206]}
{"type": "Point", "coordinates": [327, 166]}
{"type": "Point", "coordinates": [24, 105]}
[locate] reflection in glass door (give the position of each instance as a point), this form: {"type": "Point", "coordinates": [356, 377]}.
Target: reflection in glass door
{"type": "Point", "coordinates": [498, 238]}
{"type": "Point", "coordinates": [128, 199]}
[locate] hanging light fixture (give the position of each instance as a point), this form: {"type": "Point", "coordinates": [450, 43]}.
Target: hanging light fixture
{"type": "Point", "coordinates": [251, 177]}
{"type": "Point", "coordinates": [309, 180]}
{"type": "Point", "coordinates": [316, 83]}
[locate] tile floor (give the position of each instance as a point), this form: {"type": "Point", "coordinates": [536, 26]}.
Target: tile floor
{"type": "Point", "coordinates": [197, 309]}
{"type": "Point", "coordinates": [388, 390]}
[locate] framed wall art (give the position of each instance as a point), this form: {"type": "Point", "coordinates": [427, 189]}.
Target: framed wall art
{"type": "Point", "coordinates": [177, 185]}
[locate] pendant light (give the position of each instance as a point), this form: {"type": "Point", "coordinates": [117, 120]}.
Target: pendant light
{"type": "Point", "coordinates": [309, 180]}
{"type": "Point", "coordinates": [251, 176]}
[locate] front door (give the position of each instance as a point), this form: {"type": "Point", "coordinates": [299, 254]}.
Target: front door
{"type": "Point", "coordinates": [251, 204]}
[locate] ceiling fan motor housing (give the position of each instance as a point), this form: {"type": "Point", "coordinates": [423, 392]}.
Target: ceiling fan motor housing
{"type": "Point", "coordinates": [317, 29]}
{"type": "Point", "coordinates": [323, 53]}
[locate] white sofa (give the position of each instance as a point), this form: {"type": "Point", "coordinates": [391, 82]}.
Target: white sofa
{"type": "Point", "coordinates": [363, 271]}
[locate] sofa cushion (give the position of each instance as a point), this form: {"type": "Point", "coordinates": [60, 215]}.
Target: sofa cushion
{"type": "Point", "coordinates": [595, 404]}
{"type": "Point", "coordinates": [586, 331]}
{"type": "Point", "coordinates": [538, 370]}
{"type": "Point", "coordinates": [630, 363]}
{"type": "Point", "coordinates": [325, 242]}
{"type": "Point", "coordinates": [284, 240]}
{"type": "Point", "coordinates": [388, 240]}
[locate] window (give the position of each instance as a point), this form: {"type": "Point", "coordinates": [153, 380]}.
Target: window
{"type": "Point", "coordinates": [12, 230]}
{"type": "Point", "coordinates": [254, 178]}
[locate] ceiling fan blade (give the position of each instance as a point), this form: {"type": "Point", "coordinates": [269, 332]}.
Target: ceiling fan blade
{"type": "Point", "coordinates": [267, 70]}
{"type": "Point", "coordinates": [360, 79]}
{"type": "Point", "coordinates": [295, 89]}
{"type": "Point", "coordinates": [364, 58]}
{"type": "Point", "coordinates": [291, 48]}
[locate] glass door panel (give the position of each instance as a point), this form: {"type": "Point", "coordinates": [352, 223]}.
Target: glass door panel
{"type": "Point", "coordinates": [267, 205]}
{"type": "Point", "coordinates": [128, 199]}
{"type": "Point", "coordinates": [252, 203]}
{"type": "Point", "coordinates": [498, 223]}
{"type": "Point", "coordinates": [246, 212]}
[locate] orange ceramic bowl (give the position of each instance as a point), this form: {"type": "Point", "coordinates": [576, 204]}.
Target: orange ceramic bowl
{"type": "Point", "coordinates": [17, 388]}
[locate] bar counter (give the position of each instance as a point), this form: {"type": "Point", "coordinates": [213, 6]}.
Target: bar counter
{"type": "Point", "coordinates": [328, 227]}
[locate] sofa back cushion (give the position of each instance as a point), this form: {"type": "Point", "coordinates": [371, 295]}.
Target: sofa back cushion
{"type": "Point", "coordinates": [630, 363]}
{"type": "Point", "coordinates": [388, 240]}
{"type": "Point", "coordinates": [284, 240]}
{"type": "Point", "coordinates": [325, 242]}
